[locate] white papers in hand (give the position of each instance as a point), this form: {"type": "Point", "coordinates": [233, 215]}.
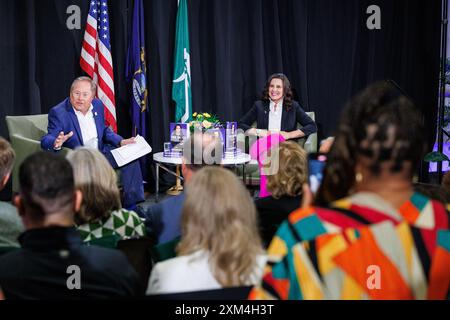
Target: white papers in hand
{"type": "Point", "coordinates": [131, 152]}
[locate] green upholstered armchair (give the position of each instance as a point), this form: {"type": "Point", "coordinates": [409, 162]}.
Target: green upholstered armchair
{"type": "Point", "coordinates": [25, 133]}
{"type": "Point", "coordinates": [310, 143]}
{"type": "Point", "coordinates": [252, 170]}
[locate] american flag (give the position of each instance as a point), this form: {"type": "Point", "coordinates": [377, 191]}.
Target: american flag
{"type": "Point", "coordinates": [96, 59]}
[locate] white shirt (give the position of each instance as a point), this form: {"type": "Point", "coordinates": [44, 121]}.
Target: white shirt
{"type": "Point", "coordinates": [275, 115]}
{"type": "Point", "coordinates": [191, 273]}
{"type": "Point", "coordinates": [88, 128]}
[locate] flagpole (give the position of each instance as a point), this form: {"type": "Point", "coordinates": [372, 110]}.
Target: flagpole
{"type": "Point", "coordinates": [181, 84]}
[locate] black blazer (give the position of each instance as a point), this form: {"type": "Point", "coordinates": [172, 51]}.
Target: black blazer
{"type": "Point", "coordinates": [38, 270]}
{"type": "Point", "coordinates": [289, 119]}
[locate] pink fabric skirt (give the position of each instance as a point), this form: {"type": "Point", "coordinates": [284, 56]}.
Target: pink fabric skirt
{"type": "Point", "coordinates": [258, 151]}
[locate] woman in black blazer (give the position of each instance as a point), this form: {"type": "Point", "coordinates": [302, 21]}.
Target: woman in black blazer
{"type": "Point", "coordinates": [277, 112]}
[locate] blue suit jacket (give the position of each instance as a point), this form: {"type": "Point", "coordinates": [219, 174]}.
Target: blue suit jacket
{"type": "Point", "coordinates": [163, 220]}
{"type": "Point", "coordinates": [289, 119]}
{"type": "Point", "coordinates": [62, 117]}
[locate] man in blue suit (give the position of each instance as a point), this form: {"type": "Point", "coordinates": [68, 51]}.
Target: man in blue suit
{"type": "Point", "coordinates": [79, 121]}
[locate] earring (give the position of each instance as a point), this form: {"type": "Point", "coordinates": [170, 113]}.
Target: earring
{"type": "Point", "coordinates": [358, 177]}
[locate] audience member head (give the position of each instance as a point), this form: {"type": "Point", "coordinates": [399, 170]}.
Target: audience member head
{"type": "Point", "coordinates": [380, 136]}
{"type": "Point", "coordinates": [7, 156]}
{"type": "Point", "coordinates": [446, 182]}
{"type": "Point", "coordinates": [292, 170]}
{"type": "Point", "coordinates": [433, 191]}
{"type": "Point", "coordinates": [271, 89]}
{"type": "Point", "coordinates": [47, 194]}
{"type": "Point", "coordinates": [82, 92]}
{"type": "Point", "coordinates": [97, 181]}
{"type": "Point", "coordinates": [199, 150]}
{"type": "Point", "coordinates": [219, 216]}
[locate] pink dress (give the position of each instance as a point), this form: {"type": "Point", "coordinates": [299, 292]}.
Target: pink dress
{"type": "Point", "coordinates": [258, 151]}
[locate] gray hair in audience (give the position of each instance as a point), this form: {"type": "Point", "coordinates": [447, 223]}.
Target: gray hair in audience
{"type": "Point", "coordinates": [84, 78]}
{"type": "Point", "coordinates": [97, 181]}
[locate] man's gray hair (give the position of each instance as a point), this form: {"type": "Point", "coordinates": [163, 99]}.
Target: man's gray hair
{"type": "Point", "coordinates": [84, 78]}
{"type": "Point", "coordinates": [202, 149]}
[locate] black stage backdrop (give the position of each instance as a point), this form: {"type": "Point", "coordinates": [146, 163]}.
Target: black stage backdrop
{"type": "Point", "coordinates": [323, 46]}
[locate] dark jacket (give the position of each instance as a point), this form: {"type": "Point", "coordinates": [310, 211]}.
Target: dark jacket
{"type": "Point", "coordinates": [289, 119]}
{"type": "Point", "coordinates": [40, 269]}
{"type": "Point", "coordinates": [163, 220]}
{"type": "Point", "coordinates": [271, 212]}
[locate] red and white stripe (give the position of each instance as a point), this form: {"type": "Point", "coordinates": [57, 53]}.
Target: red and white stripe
{"type": "Point", "coordinates": [96, 61]}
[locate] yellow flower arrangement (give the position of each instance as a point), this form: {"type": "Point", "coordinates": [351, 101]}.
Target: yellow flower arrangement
{"type": "Point", "coordinates": [206, 124]}
{"type": "Point", "coordinates": [204, 120]}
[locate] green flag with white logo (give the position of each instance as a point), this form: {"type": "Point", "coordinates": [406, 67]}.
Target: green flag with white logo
{"type": "Point", "coordinates": [181, 89]}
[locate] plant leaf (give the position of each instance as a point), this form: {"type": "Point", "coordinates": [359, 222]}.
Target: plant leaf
{"type": "Point", "coordinates": [435, 156]}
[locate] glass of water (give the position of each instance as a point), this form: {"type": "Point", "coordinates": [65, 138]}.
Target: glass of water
{"type": "Point", "coordinates": [167, 148]}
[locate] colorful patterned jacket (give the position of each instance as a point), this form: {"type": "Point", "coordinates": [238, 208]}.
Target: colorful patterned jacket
{"type": "Point", "coordinates": [361, 248]}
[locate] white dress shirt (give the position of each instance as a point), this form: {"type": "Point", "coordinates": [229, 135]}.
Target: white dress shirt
{"type": "Point", "coordinates": [275, 115]}
{"type": "Point", "coordinates": [192, 273]}
{"type": "Point", "coordinates": [88, 128]}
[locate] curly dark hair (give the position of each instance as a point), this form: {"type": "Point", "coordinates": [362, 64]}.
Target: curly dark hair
{"type": "Point", "coordinates": [288, 94]}
{"type": "Point", "coordinates": [379, 124]}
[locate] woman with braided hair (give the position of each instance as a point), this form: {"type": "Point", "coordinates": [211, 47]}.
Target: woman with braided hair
{"type": "Point", "coordinates": [378, 146]}
{"type": "Point", "coordinates": [373, 237]}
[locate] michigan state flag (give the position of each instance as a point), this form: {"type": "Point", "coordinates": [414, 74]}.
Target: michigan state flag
{"type": "Point", "coordinates": [181, 89]}
{"type": "Point", "coordinates": [136, 75]}
{"type": "Point", "coordinates": [136, 71]}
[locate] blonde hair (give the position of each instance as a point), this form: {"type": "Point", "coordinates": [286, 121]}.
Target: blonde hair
{"type": "Point", "coordinates": [219, 216]}
{"type": "Point", "coordinates": [7, 156]}
{"type": "Point", "coordinates": [97, 181]}
{"type": "Point", "coordinates": [292, 170]}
